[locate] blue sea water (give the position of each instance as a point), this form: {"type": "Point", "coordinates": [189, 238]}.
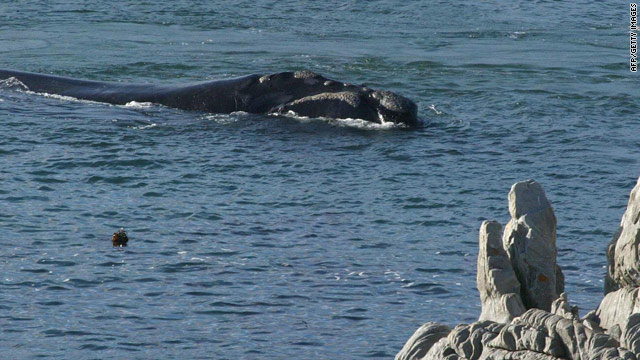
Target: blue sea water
{"type": "Point", "coordinates": [259, 236]}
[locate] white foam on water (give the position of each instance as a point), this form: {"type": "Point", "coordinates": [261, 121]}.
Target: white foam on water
{"type": "Point", "coordinates": [60, 97]}
{"type": "Point", "coordinates": [221, 118]}
{"type": "Point", "coordinates": [143, 127]}
{"type": "Point", "coordinates": [138, 105]}
{"type": "Point", "coordinates": [240, 113]}
{"type": "Point", "coordinates": [433, 107]}
{"type": "Point", "coordinates": [226, 118]}
{"type": "Point", "coordinates": [348, 122]}
{"type": "Point", "coordinates": [13, 84]}
{"type": "Point", "coordinates": [517, 34]}
{"type": "Point", "coordinates": [364, 124]}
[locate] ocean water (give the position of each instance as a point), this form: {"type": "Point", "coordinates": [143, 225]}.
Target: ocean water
{"type": "Point", "coordinates": [259, 236]}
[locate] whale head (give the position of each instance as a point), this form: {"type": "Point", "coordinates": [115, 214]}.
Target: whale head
{"type": "Point", "coordinates": [392, 107]}
{"type": "Point", "coordinates": [306, 93]}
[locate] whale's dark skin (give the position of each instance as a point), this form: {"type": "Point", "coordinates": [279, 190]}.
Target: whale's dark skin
{"type": "Point", "coordinates": [303, 93]}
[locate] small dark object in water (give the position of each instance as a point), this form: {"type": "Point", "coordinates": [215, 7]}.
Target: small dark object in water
{"type": "Point", "coordinates": [120, 238]}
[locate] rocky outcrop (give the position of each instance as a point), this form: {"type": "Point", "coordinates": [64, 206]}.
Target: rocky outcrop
{"type": "Point", "coordinates": [422, 340]}
{"type": "Point", "coordinates": [497, 283]}
{"type": "Point", "coordinates": [615, 309]}
{"type": "Point", "coordinates": [562, 307]}
{"type": "Point", "coordinates": [535, 335]}
{"type": "Point", "coordinates": [631, 337]}
{"type": "Point", "coordinates": [525, 312]}
{"type": "Point", "coordinates": [622, 281]}
{"type": "Point", "coordinates": [530, 240]}
{"type": "Point", "coordinates": [622, 255]}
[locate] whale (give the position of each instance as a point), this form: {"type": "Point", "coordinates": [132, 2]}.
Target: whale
{"type": "Point", "coordinates": [301, 93]}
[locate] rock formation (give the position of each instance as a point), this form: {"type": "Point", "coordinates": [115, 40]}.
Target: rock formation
{"type": "Point", "coordinates": [497, 283]}
{"type": "Point", "coordinates": [530, 240]}
{"type": "Point", "coordinates": [622, 254]}
{"type": "Point", "coordinates": [525, 312]}
{"type": "Point", "coordinates": [423, 339]}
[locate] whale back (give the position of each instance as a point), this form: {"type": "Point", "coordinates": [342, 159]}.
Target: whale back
{"type": "Point", "coordinates": [302, 93]}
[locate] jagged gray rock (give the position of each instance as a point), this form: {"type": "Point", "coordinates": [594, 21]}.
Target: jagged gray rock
{"type": "Point", "coordinates": [497, 283]}
{"type": "Point", "coordinates": [562, 307]}
{"type": "Point", "coordinates": [622, 254]}
{"type": "Point", "coordinates": [609, 283]}
{"type": "Point", "coordinates": [524, 268]}
{"type": "Point", "coordinates": [422, 340]}
{"type": "Point", "coordinates": [530, 241]}
{"type": "Point", "coordinates": [631, 337]}
{"type": "Point", "coordinates": [535, 335]}
{"type": "Point", "coordinates": [616, 307]}
{"type": "Point", "coordinates": [468, 340]}
{"type": "Point", "coordinates": [499, 354]}
{"type": "Point", "coordinates": [442, 351]}
{"type": "Point", "coordinates": [530, 332]}
{"type": "Point", "coordinates": [591, 321]}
